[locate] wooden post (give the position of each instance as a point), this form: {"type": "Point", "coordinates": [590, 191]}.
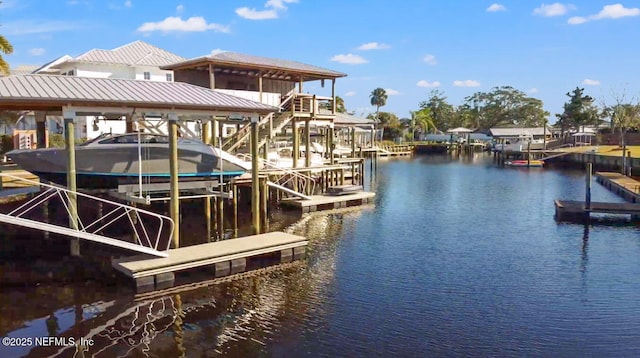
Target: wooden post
{"type": "Point", "coordinates": [255, 171]}
{"type": "Point", "coordinates": [307, 144]}
{"type": "Point", "coordinates": [70, 144]}
{"type": "Point", "coordinates": [212, 77]}
{"type": "Point", "coordinates": [528, 154]}
{"type": "Point", "coordinates": [206, 138]}
{"type": "Point", "coordinates": [333, 95]}
{"type": "Point", "coordinates": [174, 203]}
{"type": "Point", "coordinates": [235, 209]}
{"type": "Point", "coordinates": [330, 146]}
{"type": "Point", "coordinates": [587, 193]}
{"type": "Point", "coordinates": [128, 123]}
{"type": "Point", "coordinates": [296, 144]}
{"type": "Point", "coordinates": [41, 130]}
{"type": "Point", "coordinates": [264, 195]}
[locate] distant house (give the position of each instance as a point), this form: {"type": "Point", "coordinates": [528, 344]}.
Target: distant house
{"type": "Point", "coordinates": [510, 133]}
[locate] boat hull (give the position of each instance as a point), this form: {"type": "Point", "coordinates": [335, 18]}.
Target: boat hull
{"type": "Point", "coordinates": [107, 167]}
{"type": "Point", "coordinates": [526, 164]}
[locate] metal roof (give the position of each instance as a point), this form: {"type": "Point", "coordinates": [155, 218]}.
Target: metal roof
{"type": "Point", "coordinates": [42, 91]}
{"type": "Point", "coordinates": [134, 53]}
{"type": "Point", "coordinates": [234, 59]}
{"type": "Point", "coordinates": [23, 69]}
{"type": "Point", "coordinates": [345, 119]}
{"type": "Point", "coordinates": [515, 132]}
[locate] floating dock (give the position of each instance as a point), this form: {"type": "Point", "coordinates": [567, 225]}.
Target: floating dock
{"type": "Point", "coordinates": [328, 202]}
{"type": "Point", "coordinates": [224, 257]}
{"type": "Point", "coordinates": [577, 211]}
{"type": "Point", "coordinates": [626, 187]}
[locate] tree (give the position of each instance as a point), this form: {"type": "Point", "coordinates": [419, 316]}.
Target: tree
{"type": "Point", "coordinates": [9, 119]}
{"type": "Point", "coordinates": [420, 120]}
{"type": "Point", "coordinates": [340, 108]}
{"type": "Point", "coordinates": [625, 115]}
{"type": "Point", "coordinates": [390, 125]}
{"type": "Point", "coordinates": [7, 49]}
{"type": "Point", "coordinates": [442, 113]}
{"type": "Point", "coordinates": [505, 105]}
{"type": "Point", "coordinates": [578, 111]}
{"type": "Point", "coordinates": [379, 99]}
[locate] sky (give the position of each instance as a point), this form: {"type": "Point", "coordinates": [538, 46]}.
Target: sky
{"type": "Point", "coordinates": [409, 48]}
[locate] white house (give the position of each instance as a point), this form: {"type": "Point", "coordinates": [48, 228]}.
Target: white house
{"type": "Point", "coordinates": [136, 60]}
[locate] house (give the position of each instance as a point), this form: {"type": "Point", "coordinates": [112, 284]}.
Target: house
{"type": "Point", "coordinates": [136, 60]}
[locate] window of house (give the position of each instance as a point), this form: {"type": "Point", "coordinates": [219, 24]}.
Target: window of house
{"type": "Point", "coordinates": [71, 73]}
{"type": "Point", "coordinates": [147, 75]}
{"type": "Point", "coordinates": [169, 77]}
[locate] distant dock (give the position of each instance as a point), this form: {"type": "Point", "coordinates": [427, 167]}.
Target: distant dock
{"type": "Point", "coordinates": [624, 186]}
{"type": "Point", "coordinates": [579, 211]}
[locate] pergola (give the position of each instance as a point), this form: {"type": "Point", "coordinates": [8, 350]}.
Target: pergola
{"type": "Point", "coordinates": [78, 96]}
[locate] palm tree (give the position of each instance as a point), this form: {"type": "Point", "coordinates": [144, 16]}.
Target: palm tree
{"type": "Point", "coordinates": [379, 99]}
{"type": "Point", "coordinates": [421, 120]}
{"type": "Point", "coordinates": [7, 49]}
{"type": "Point", "coordinates": [340, 108]}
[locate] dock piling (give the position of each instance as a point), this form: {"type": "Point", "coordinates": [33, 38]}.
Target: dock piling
{"type": "Point", "coordinates": [587, 194]}
{"type": "Point", "coordinates": [70, 144]}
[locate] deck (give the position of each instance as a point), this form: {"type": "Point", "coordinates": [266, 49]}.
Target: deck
{"type": "Point", "coordinates": [225, 257]}
{"type": "Point", "coordinates": [327, 202]}
{"type": "Point", "coordinates": [569, 210]}
{"type": "Point", "coordinates": [626, 187]}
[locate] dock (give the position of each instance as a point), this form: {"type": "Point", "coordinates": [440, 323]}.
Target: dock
{"type": "Point", "coordinates": [577, 211]}
{"type": "Point", "coordinates": [624, 186]}
{"type": "Point", "coordinates": [224, 258]}
{"type": "Point", "coordinates": [328, 202]}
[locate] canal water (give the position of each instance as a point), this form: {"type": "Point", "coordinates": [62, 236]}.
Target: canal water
{"type": "Point", "coordinates": [458, 257]}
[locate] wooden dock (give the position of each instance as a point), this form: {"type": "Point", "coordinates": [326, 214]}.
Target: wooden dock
{"type": "Point", "coordinates": [223, 257]}
{"type": "Point", "coordinates": [327, 202]}
{"type": "Point", "coordinates": [626, 187]}
{"type": "Point", "coordinates": [576, 211]}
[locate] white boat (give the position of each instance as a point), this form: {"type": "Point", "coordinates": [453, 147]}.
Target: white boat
{"type": "Point", "coordinates": [109, 160]}
{"type": "Point", "coordinates": [522, 144]}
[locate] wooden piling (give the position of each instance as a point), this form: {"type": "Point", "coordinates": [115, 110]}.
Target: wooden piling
{"type": "Point", "coordinates": [174, 203]}
{"type": "Point", "coordinates": [587, 193]}
{"type": "Point", "coordinates": [255, 189]}
{"type": "Point", "coordinates": [70, 144]}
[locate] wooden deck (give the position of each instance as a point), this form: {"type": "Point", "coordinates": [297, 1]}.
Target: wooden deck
{"type": "Point", "coordinates": [225, 257]}
{"type": "Point", "coordinates": [626, 187]}
{"type": "Point", "coordinates": [327, 202]}
{"type": "Point", "coordinates": [569, 210]}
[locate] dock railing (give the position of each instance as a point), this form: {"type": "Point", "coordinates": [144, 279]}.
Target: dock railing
{"type": "Point", "coordinates": [132, 228]}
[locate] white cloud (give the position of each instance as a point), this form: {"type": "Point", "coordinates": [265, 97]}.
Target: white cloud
{"type": "Point", "coordinates": [350, 94]}
{"type": "Point", "coordinates": [38, 51]}
{"type": "Point", "coordinates": [576, 20]}
{"type": "Point", "coordinates": [176, 24]}
{"type": "Point", "coordinates": [349, 59]}
{"type": "Point", "coordinates": [128, 3]}
{"type": "Point", "coordinates": [373, 46]}
{"type": "Point", "coordinates": [217, 51]}
{"type": "Point", "coordinates": [391, 92]}
{"type": "Point", "coordinates": [425, 83]}
{"type": "Point", "coordinates": [466, 83]}
{"type": "Point", "coordinates": [533, 90]}
{"type": "Point", "coordinates": [180, 9]}
{"type": "Point", "coordinates": [555, 9]}
{"type": "Point", "coordinates": [430, 59]}
{"type": "Point", "coordinates": [590, 82]}
{"type": "Point", "coordinates": [272, 9]}
{"type": "Point", "coordinates": [496, 7]}
{"type": "Point", "coordinates": [614, 11]}
{"type": "Point", "coordinates": [253, 14]}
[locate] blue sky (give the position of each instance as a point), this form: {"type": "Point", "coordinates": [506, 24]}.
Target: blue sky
{"type": "Point", "coordinates": [407, 47]}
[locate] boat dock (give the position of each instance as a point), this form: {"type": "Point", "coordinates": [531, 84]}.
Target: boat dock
{"type": "Point", "coordinates": [626, 187]}
{"type": "Point", "coordinates": [224, 258]}
{"type": "Point", "coordinates": [327, 202]}
{"type": "Point", "coordinates": [578, 211]}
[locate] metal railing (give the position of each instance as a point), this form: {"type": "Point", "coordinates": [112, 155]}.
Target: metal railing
{"type": "Point", "coordinates": [285, 177]}
{"type": "Point", "coordinates": [111, 216]}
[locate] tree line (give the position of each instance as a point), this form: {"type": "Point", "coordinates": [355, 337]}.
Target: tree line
{"type": "Point", "coordinates": [503, 106]}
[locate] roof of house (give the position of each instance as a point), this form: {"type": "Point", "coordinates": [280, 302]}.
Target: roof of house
{"type": "Point", "coordinates": [49, 91]}
{"type": "Point", "coordinates": [234, 59]}
{"type": "Point", "coordinates": [345, 119]}
{"type": "Point", "coordinates": [23, 69]}
{"type": "Point", "coordinates": [515, 132]}
{"type": "Point", "coordinates": [135, 53]}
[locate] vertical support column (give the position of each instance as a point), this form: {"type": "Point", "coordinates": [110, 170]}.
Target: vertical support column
{"type": "Point", "coordinates": [333, 95]}
{"type": "Point", "coordinates": [128, 123]}
{"type": "Point", "coordinates": [353, 142]}
{"type": "Point", "coordinates": [70, 146]}
{"type": "Point", "coordinates": [330, 145]}
{"type": "Point", "coordinates": [296, 143]}
{"type": "Point", "coordinates": [587, 193]}
{"type": "Point", "coordinates": [206, 138]}
{"type": "Point", "coordinates": [220, 201]}
{"type": "Point", "coordinates": [212, 77]}
{"type": "Point", "coordinates": [264, 195]}
{"type": "Point", "coordinates": [255, 171]}
{"type": "Point", "coordinates": [235, 208]}
{"type": "Point", "coordinates": [41, 130]}
{"type": "Point", "coordinates": [174, 203]}
{"type": "Point", "coordinates": [300, 85]}
{"type": "Point", "coordinates": [307, 143]}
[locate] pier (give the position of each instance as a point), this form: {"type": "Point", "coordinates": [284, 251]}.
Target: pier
{"type": "Point", "coordinates": [222, 257]}
{"type": "Point", "coordinates": [580, 211]}
{"type": "Point", "coordinates": [624, 186]}
{"type": "Point", "coordinates": [328, 202]}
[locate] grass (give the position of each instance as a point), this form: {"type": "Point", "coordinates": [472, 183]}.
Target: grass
{"type": "Point", "coordinates": [610, 150]}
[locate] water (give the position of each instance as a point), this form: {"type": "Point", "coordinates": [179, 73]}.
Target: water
{"type": "Point", "coordinates": [456, 258]}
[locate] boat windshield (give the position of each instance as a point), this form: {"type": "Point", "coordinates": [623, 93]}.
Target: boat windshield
{"type": "Point", "coordinates": [96, 139]}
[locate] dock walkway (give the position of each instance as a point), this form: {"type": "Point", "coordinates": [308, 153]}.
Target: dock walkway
{"type": "Point", "coordinates": [569, 210]}
{"type": "Point", "coordinates": [626, 187]}
{"type": "Point", "coordinates": [327, 202]}
{"type": "Point", "coordinates": [225, 257]}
